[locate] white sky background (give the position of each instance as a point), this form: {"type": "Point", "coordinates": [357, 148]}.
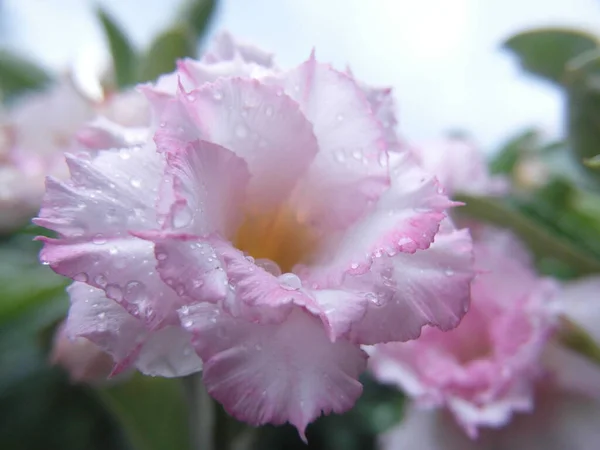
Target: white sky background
{"type": "Point", "coordinates": [441, 56]}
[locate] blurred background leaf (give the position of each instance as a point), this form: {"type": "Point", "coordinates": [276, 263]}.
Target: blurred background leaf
{"type": "Point", "coordinates": [152, 412]}
{"type": "Point", "coordinates": [546, 52]}
{"type": "Point", "coordinates": [165, 50]}
{"type": "Point", "coordinates": [124, 57]}
{"type": "Point", "coordinates": [19, 75]}
{"type": "Point", "coordinates": [197, 15]}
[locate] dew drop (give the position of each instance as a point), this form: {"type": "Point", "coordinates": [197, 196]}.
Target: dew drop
{"type": "Point", "coordinates": [241, 131]}
{"type": "Point", "coordinates": [354, 266]}
{"type": "Point", "coordinates": [135, 182]}
{"type": "Point", "coordinates": [182, 218]}
{"type": "Point", "coordinates": [217, 95]}
{"type": "Point", "coordinates": [101, 315]}
{"type": "Point", "coordinates": [290, 282]}
{"type": "Point", "coordinates": [99, 239]}
{"type": "Point", "coordinates": [191, 97]}
{"type": "Point", "coordinates": [268, 266]}
{"type": "Point", "coordinates": [269, 111]}
{"type": "Point", "coordinates": [100, 280]}
{"type": "Point", "coordinates": [113, 250]}
{"type": "Point", "coordinates": [161, 256]}
{"type": "Point", "coordinates": [81, 277]}
{"type": "Point", "coordinates": [449, 272]}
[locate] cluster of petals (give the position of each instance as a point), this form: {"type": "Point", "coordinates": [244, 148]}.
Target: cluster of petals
{"type": "Point", "coordinates": [260, 231]}
{"type": "Point", "coordinates": [500, 379]}
{"type": "Point", "coordinates": [38, 129]}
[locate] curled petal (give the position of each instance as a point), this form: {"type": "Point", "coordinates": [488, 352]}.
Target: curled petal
{"type": "Point", "coordinates": [164, 352]}
{"type": "Point", "coordinates": [350, 171]}
{"type": "Point", "coordinates": [288, 371]}
{"type": "Point", "coordinates": [209, 184]}
{"type": "Point", "coordinates": [408, 291]}
{"type": "Point", "coordinates": [255, 121]}
{"type": "Point", "coordinates": [103, 133]}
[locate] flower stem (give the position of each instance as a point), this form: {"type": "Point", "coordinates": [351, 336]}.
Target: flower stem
{"type": "Point", "coordinates": [201, 413]}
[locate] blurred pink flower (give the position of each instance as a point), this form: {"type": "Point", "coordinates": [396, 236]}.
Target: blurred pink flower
{"type": "Point", "coordinates": [37, 131]}
{"type": "Point", "coordinates": [486, 369]}
{"type": "Point", "coordinates": [83, 361]}
{"type": "Point", "coordinates": [262, 222]}
{"type": "Point", "coordinates": [460, 166]}
{"type": "Point", "coordinates": [500, 375]}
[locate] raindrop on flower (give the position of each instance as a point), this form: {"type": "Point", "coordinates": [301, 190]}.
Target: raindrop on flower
{"type": "Point", "coordinates": [290, 282]}
{"type": "Point", "coordinates": [269, 111]}
{"type": "Point", "coordinates": [100, 280]}
{"type": "Point", "coordinates": [449, 272]}
{"type": "Point", "coordinates": [241, 131]}
{"type": "Point", "coordinates": [81, 277]}
{"type": "Point", "coordinates": [136, 182]}
{"type": "Point", "coordinates": [268, 266]}
{"type": "Point", "coordinates": [99, 239]}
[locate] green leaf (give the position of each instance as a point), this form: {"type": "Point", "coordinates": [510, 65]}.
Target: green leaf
{"type": "Point", "coordinates": [124, 56]}
{"type": "Point", "coordinates": [542, 242]}
{"type": "Point", "coordinates": [152, 412]}
{"type": "Point", "coordinates": [164, 52]}
{"type": "Point", "coordinates": [509, 155]}
{"type": "Point", "coordinates": [583, 105]}
{"type": "Point", "coordinates": [19, 75]}
{"type": "Point", "coordinates": [24, 282]}
{"type": "Point", "coordinates": [593, 162]}
{"type": "Point", "coordinates": [546, 52]}
{"type": "Point", "coordinates": [197, 14]}
{"type": "Point", "coordinates": [577, 339]}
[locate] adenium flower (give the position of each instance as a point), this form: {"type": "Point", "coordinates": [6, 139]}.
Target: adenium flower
{"type": "Point", "coordinates": [460, 166]}
{"type": "Point", "coordinates": [262, 223]}
{"type": "Point", "coordinates": [566, 413]}
{"type": "Point", "coordinates": [486, 369]}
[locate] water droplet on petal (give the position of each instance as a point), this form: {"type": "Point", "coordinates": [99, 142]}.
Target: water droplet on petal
{"type": "Point", "coordinates": [182, 218]}
{"type": "Point", "coordinates": [269, 111]}
{"type": "Point", "coordinates": [99, 239]}
{"type": "Point", "coordinates": [217, 95]}
{"type": "Point", "coordinates": [354, 266]}
{"type": "Point", "coordinates": [268, 266]}
{"type": "Point", "coordinates": [290, 282]}
{"type": "Point", "coordinates": [81, 277]}
{"type": "Point", "coordinates": [100, 280]}
{"type": "Point", "coordinates": [241, 131]}
{"type": "Point", "coordinates": [135, 182]}
{"type": "Point", "coordinates": [161, 256]}
{"type": "Point", "coordinates": [101, 315]}
{"type": "Point", "coordinates": [449, 272]}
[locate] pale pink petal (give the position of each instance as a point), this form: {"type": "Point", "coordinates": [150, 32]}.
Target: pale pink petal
{"type": "Point", "coordinates": [461, 167]}
{"type": "Point", "coordinates": [93, 213]}
{"type": "Point", "coordinates": [407, 291]}
{"type": "Point", "coordinates": [427, 429]}
{"type": "Point", "coordinates": [288, 371]}
{"type": "Point", "coordinates": [103, 134]}
{"type": "Point", "coordinates": [559, 422]}
{"type": "Point", "coordinates": [384, 108]}
{"type": "Point", "coordinates": [209, 184]}
{"type": "Point", "coordinates": [580, 302]}
{"type": "Point", "coordinates": [163, 352]}
{"type": "Point", "coordinates": [254, 121]}
{"type": "Point", "coordinates": [405, 219]}
{"type": "Point", "coordinates": [572, 372]}
{"type": "Point", "coordinates": [199, 72]}
{"type": "Point", "coordinates": [190, 266]}
{"type": "Point", "coordinates": [351, 170]}
{"type": "Point", "coordinates": [224, 47]}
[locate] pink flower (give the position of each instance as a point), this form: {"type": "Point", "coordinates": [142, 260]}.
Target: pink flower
{"type": "Point", "coordinates": [263, 223]}
{"type": "Point", "coordinates": [566, 396]}
{"type": "Point", "coordinates": [486, 369]}
{"type": "Point", "coordinates": [40, 128]}
{"type": "Point", "coordinates": [83, 361]}
{"type": "Point", "coordinates": [460, 166]}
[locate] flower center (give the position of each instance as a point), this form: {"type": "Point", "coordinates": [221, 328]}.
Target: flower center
{"type": "Point", "coordinates": [277, 235]}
